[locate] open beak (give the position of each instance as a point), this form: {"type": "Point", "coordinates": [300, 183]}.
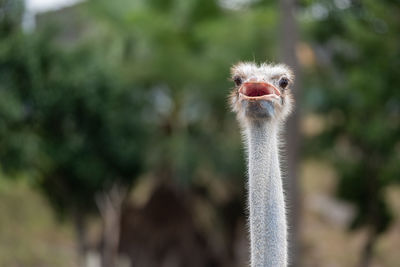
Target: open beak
{"type": "Point", "coordinates": [258, 91]}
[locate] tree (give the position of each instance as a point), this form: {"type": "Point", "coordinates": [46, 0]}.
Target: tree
{"type": "Point", "coordinates": [359, 76]}
{"type": "Point", "coordinates": [70, 119]}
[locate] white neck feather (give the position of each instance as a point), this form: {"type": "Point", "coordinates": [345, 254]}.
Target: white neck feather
{"type": "Point", "coordinates": [268, 230]}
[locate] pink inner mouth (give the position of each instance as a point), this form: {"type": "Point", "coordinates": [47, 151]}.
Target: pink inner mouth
{"type": "Point", "coordinates": [258, 89]}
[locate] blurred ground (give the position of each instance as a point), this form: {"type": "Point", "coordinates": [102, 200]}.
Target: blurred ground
{"type": "Point", "coordinates": [325, 237]}
{"type": "Point", "coordinates": [30, 235]}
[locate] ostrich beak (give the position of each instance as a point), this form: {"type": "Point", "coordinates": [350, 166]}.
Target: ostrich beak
{"type": "Point", "coordinates": [258, 91]}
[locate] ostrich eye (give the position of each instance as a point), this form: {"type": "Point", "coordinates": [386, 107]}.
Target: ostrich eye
{"type": "Point", "coordinates": [237, 80]}
{"type": "Point", "coordinates": [283, 83]}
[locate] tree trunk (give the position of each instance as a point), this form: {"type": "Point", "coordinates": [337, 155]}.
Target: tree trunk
{"type": "Point", "coordinates": [374, 219]}
{"type": "Point", "coordinates": [367, 252]}
{"type": "Point", "coordinates": [110, 206]}
{"type": "Point", "coordinates": [80, 230]}
{"type": "Point", "coordinates": [289, 39]}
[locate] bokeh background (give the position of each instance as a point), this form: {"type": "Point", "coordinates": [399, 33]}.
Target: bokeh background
{"type": "Point", "coordinates": [117, 146]}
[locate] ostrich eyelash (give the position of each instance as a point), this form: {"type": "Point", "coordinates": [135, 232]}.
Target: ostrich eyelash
{"type": "Point", "coordinates": [238, 80]}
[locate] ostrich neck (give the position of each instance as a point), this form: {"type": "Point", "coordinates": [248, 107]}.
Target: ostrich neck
{"type": "Point", "coordinates": [266, 200]}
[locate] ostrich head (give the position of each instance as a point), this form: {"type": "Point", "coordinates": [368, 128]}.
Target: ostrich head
{"type": "Point", "coordinates": [261, 92]}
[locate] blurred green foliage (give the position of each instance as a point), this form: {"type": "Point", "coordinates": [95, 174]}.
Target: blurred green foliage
{"type": "Point", "coordinates": [356, 89]}
{"type": "Point", "coordinates": [143, 91]}
{"type": "Point", "coordinates": [69, 118]}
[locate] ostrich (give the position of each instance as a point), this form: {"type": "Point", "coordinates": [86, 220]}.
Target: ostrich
{"type": "Point", "coordinates": [262, 100]}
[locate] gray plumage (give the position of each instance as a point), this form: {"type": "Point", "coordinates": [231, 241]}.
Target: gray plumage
{"type": "Point", "coordinates": [262, 100]}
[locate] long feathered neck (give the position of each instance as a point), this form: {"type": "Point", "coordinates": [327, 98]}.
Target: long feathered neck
{"type": "Point", "coordinates": [268, 232]}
